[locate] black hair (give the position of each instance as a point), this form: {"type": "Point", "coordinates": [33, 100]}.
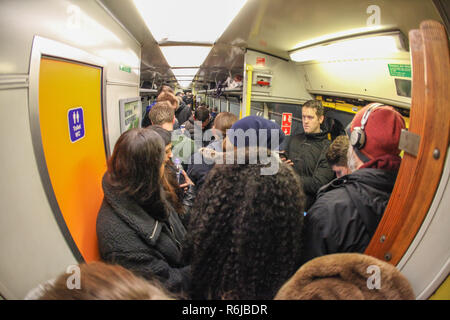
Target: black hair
{"type": "Point", "coordinates": [245, 232]}
{"type": "Point", "coordinates": [201, 114]}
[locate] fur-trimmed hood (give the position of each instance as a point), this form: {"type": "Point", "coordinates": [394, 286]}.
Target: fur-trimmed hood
{"type": "Point", "coordinates": [346, 276]}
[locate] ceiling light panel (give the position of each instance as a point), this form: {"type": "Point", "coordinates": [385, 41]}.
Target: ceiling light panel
{"type": "Point", "coordinates": [184, 83]}
{"type": "Point", "coordinates": [170, 20]}
{"type": "Point", "coordinates": [185, 56]}
{"type": "Point", "coordinates": [340, 34]}
{"type": "Point", "coordinates": [184, 78]}
{"type": "Point", "coordinates": [370, 46]}
{"type": "Point", "coordinates": [185, 71]}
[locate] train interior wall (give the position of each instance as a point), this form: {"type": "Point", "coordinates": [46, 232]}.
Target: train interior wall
{"type": "Point", "coordinates": [32, 247]}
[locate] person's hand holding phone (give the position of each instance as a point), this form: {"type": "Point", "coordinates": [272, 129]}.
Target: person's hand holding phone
{"type": "Point", "coordinates": [187, 182]}
{"type": "Point", "coordinates": [284, 158]}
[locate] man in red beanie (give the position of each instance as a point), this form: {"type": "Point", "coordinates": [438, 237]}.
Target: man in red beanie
{"type": "Point", "coordinates": [348, 209]}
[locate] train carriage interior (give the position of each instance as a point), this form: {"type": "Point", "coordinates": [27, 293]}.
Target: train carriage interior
{"type": "Point", "coordinates": [74, 75]}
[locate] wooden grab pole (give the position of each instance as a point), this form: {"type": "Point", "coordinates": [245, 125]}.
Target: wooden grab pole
{"type": "Point", "coordinates": [419, 176]}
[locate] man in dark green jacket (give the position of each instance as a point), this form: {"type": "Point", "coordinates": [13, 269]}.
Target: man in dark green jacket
{"type": "Point", "coordinates": [306, 151]}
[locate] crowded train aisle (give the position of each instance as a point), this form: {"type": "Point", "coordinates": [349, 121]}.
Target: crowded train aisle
{"type": "Point", "coordinates": [224, 150]}
{"type": "Point", "coordinates": [237, 225]}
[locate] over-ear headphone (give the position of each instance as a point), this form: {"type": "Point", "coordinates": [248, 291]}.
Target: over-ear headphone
{"type": "Point", "coordinates": [358, 136]}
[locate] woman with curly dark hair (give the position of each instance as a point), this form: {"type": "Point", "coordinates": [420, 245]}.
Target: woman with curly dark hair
{"type": "Point", "coordinates": [245, 235]}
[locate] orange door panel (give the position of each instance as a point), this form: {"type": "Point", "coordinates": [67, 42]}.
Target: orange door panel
{"type": "Point", "coordinates": [70, 116]}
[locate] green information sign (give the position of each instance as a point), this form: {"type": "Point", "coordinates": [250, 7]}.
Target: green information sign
{"type": "Point", "coordinates": [400, 70]}
{"type": "Point", "coordinates": [125, 68]}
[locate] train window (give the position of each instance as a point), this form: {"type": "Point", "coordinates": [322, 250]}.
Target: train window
{"type": "Point", "coordinates": [403, 87]}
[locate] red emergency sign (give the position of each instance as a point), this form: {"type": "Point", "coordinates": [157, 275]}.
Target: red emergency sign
{"type": "Point", "coordinates": [261, 62]}
{"type": "Point", "coordinates": [286, 123]}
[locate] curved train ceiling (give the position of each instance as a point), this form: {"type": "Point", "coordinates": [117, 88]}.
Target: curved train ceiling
{"type": "Point", "coordinates": [271, 26]}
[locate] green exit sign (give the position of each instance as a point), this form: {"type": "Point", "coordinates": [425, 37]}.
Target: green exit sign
{"type": "Point", "coordinates": [125, 68]}
{"type": "Point", "coordinates": [400, 70]}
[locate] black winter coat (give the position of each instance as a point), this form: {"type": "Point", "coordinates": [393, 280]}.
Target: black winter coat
{"type": "Point", "coordinates": [307, 152]}
{"type": "Point", "coordinates": [130, 236]}
{"type": "Point", "coordinates": [347, 212]}
{"type": "Point", "coordinates": [183, 113]}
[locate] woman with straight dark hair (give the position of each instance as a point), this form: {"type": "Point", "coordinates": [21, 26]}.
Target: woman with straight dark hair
{"type": "Point", "coordinates": [136, 226]}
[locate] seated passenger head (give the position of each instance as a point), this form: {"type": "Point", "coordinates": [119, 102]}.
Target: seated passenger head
{"type": "Point", "coordinates": [136, 165]}
{"type": "Point", "coordinates": [312, 116]}
{"type": "Point", "coordinates": [202, 114]}
{"type": "Point", "coordinates": [346, 276]}
{"type": "Point", "coordinates": [100, 281]}
{"type": "Point", "coordinates": [374, 135]}
{"type": "Point", "coordinates": [254, 131]}
{"type": "Point", "coordinates": [337, 156]}
{"type": "Point", "coordinates": [245, 232]}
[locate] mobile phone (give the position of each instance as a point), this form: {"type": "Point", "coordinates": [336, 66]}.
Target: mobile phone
{"type": "Point", "coordinates": [282, 155]}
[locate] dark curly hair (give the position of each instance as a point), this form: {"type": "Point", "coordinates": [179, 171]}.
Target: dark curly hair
{"type": "Point", "coordinates": [245, 232]}
{"type": "Point", "coordinates": [337, 152]}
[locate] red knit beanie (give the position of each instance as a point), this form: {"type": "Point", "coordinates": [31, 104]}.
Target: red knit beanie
{"type": "Point", "coordinates": [382, 131]}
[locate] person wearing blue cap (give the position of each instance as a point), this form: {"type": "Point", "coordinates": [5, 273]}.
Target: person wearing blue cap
{"type": "Point", "coordinates": [254, 131]}
{"type": "Point", "coordinates": [250, 138]}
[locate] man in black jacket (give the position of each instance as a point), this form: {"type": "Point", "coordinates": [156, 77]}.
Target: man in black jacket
{"type": "Point", "coordinates": [347, 210]}
{"type": "Point", "coordinates": [306, 151]}
{"type": "Point", "coordinates": [197, 125]}
{"type": "Point", "coordinates": [183, 112]}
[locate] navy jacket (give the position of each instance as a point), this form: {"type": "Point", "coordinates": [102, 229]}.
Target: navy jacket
{"type": "Point", "coordinates": [347, 212]}
{"type": "Point", "coordinates": [202, 163]}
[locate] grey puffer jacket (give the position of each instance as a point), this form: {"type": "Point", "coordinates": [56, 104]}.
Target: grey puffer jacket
{"type": "Point", "coordinates": [134, 238]}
